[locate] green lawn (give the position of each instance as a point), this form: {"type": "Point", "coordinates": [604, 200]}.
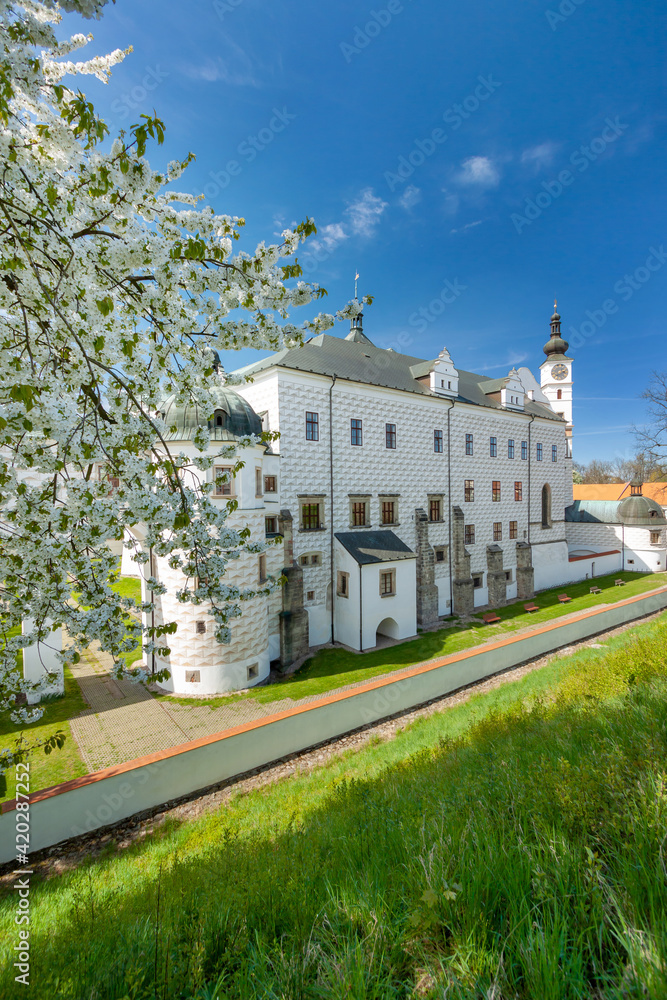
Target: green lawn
{"type": "Point", "coordinates": [510, 847]}
{"type": "Point", "coordinates": [60, 765]}
{"type": "Point", "coordinates": [128, 586]}
{"type": "Point", "coordinates": [333, 668]}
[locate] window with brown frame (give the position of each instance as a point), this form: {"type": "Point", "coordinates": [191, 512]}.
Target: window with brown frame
{"type": "Point", "coordinates": [469, 534]}
{"type": "Point", "coordinates": [514, 529]}
{"type": "Point", "coordinates": [389, 512]}
{"type": "Point", "coordinates": [497, 531]}
{"type": "Point", "coordinates": [435, 509]}
{"type": "Point", "coordinates": [310, 517]}
{"type": "Point", "coordinates": [359, 513]}
{"type": "Point", "coordinates": [495, 491]}
{"type": "Point", "coordinates": [518, 491]}
{"type": "Point", "coordinates": [387, 583]}
{"type": "Point", "coordinates": [225, 489]}
{"type": "Point", "coordinates": [270, 484]}
{"type": "Point", "coordinates": [469, 490]}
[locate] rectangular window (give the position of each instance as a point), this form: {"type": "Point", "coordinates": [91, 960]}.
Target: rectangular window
{"type": "Point", "coordinates": [524, 450]}
{"type": "Point", "coordinates": [270, 484]}
{"type": "Point", "coordinates": [312, 426]}
{"type": "Point", "coordinates": [518, 491]}
{"type": "Point", "coordinates": [539, 452]}
{"type": "Point", "coordinates": [390, 435]}
{"type": "Point", "coordinates": [469, 490]}
{"type": "Point", "coordinates": [508, 575]}
{"type": "Point", "coordinates": [468, 444]}
{"type": "Point", "coordinates": [262, 569]}
{"type": "Point", "coordinates": [258, 482]}
{"type": "Point", "coordinates": [554, 452]}
{"type": "Point", "coordinates": [655, 537]}
{"type": "Point", "coordinates": [388, 512]}
{"type": "Point", "coordinates": [514, 529]}
{"type": "Point", "coordinates": [435, 509]}
{"type": "Point", "coordinates": [441, 554]}
{"type": "Point", "coordinates": [271, 525]}
{"type": "Point", "coordinates": [478, 581]}
{"type": "Point", "coordinates": [493, 447]}
{"type": "Point", "coordinates": [343, 584]}
{"type": "Point", "coordinates": [437, 441]}
{"type": "Point", "coordinates": [310, 516]}
{"type": "Point", "coordinates": [223, 489]}
{"type": "Point", "coordinates": [388, 583]}
{"type": "Point", "coordinates": [355, 432]}
{"type": "Point", "coordinates": [495, 491]}
{"type": "Point", "coordinates": [200, 627]}
{"type": "Point", "coordinates": [497, 531]}
{"type": "Point", "coordinates": [510, 448]}
{"type": "Point", "coordinates": [469, 534]}
{"type": "Point", "coordinates": [310, 595]}
{"type": "Point", "coordinates": [359, 518]}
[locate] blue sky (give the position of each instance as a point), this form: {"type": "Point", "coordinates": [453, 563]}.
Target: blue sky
{"type": "Point", "coordinates": [530, 140]}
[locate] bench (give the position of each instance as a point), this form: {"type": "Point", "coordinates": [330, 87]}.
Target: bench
{"type": "Point", "coordinates": [564, 599]}
{"type": "Point", "coordinates": [619, 583]}
{"type": "Point", "coordinates": [490, 617]}
{"type": "Point", "coordinates": [531, 607]}
{"type": "Point", "coordinates": [595, 590]}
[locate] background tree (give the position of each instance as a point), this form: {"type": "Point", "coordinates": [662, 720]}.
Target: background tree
{"type": "Point", "coordinates": [653, 437]}
{"type": "Point", "coordinates": [109, 278]}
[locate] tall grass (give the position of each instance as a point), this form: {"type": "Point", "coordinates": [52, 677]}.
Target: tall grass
{"type": "Point", "coordinates": [513, 847]}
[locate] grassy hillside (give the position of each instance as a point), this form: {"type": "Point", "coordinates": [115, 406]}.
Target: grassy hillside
{"type": "Point", "coordinates": [511, 847]}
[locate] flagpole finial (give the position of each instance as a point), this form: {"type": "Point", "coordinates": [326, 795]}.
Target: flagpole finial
{"type": "Point", "coordinates": [356, 279]}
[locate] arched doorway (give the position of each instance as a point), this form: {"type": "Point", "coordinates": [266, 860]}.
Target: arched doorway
{"type": "Point", "coordinates": [387, 629]}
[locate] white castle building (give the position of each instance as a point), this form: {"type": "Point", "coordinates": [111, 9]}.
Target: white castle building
{"type": "Point", "coordinates": [404, 490]}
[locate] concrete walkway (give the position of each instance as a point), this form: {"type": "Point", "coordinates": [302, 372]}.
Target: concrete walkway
{"type": "Point", "coordinates": [125, 721]}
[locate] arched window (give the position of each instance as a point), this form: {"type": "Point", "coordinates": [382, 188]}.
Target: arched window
{"type": "Point", "coordinates": [546, 506]}
{"type": "Point", "coordinates": [560, 394]}
{"type": "Point", "coordinates": [219, 419]}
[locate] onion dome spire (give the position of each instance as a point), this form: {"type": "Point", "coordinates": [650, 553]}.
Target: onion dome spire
{"type": "Point", "coordinates": [555, 344]}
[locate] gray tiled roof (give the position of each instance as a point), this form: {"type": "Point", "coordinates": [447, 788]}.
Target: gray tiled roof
{"type": "Point", "coordinates": [363, 362]}
{"type": "Point", "coordinates": [374, 546]}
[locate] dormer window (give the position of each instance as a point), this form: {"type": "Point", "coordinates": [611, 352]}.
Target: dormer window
{"type": "Point", "coordinates": [219, 419]}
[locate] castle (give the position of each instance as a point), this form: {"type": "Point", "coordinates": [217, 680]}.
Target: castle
{"type": "Point", "coordinates": [403, 489]}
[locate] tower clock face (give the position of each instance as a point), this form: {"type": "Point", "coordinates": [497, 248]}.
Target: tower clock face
{"type": "Point", "coordinates": [559, 372]}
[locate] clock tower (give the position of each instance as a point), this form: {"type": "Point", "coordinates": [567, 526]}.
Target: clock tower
{"type": "Point", "coordinates": [556, 374]}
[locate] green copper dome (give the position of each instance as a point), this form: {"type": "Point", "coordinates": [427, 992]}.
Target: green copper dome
{"type": "Point", "coordinates": [233, 417]}
{"type": "Point", "coordinates": [641, 512]}
{"type": "Point", "coordinates": [555, 344]}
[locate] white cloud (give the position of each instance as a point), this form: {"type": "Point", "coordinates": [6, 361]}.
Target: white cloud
{"type": "Point", "coordinates": [469, 225]}
{"type": "Point", "coordinates": [513, 360]}
{"type": "Point", "coordinates": [328, 237]}
{"type": "Point", "coordinates": [234, 66]}
{"type": "Point", "coordinates": [365, 213]}
{"type": "Point", "coordinates": [479, 170]}
{"type": "Point", "coordinates": [540, 156]}
{"type": "Point", "coordinates": [410, 197]}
